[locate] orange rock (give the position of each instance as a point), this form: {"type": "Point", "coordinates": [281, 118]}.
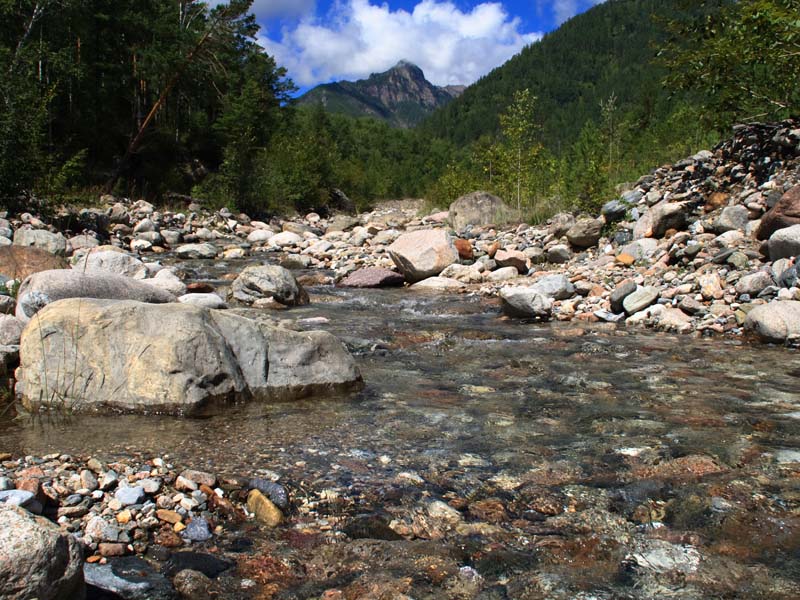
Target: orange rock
{"type": "Point", "coordinates": [492, 250]}
{"type": "Point", "coordinates": [625, 259]}
{"type": "Point", "coordinates": [716, 200]}
{"type": "Point", "coordinates": [170, 516]}
{"type": "Point", "coordinates": [464, 248]}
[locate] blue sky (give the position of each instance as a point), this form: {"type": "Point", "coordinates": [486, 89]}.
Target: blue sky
{"type": "Point", "coordinates": [453, 41]}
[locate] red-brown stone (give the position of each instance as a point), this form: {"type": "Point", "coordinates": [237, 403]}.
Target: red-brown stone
{"type": "Point", "coordinates": [784, 214]}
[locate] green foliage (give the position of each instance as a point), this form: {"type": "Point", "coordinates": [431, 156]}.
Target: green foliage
{"type": "Point", "coordinates": [742, 57]}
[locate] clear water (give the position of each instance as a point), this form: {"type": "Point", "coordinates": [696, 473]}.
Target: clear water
{"type": "Point", "coordinates": [636, 441]}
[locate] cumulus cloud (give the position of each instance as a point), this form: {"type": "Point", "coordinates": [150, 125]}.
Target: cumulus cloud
{"type": "Point", "coordinates": [566, 9]}
{"type": "Point", "coordinates": [451, 45]}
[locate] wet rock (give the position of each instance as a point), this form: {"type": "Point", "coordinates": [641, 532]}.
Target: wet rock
{"type": "Point", "coordinates": [171, 357]}
{"type": "Point", "coordinates": [373, 277]}
{"type": "Point", "coordinates": [373, 526]}
{"type": "Point", "coordinates": [49, 286]}
{"type": "Point", "coordinates": [17, 262]}
{"type": "Point", "coordinates": [197, 530]}
{"type": "Point", "coordinates": [268, 281]}
{"type": "Point", "coordinates": [526, 302]}
{"type": "Point", "coordinates": [585, 233]}
{"type": "Point", "coordinates": [786, 213]}
{"type": "Point", "coordinates": [423, 253]}
{"type": "Point", "coordinates": [276, 493]}
{"type": "Point", "coordinates": [784, 243]}
{"type": "Point", "coordinates": [265, 511]}
{"type": "Point", "coordinates": [39, 560]}
{"type": "Point", "coordinates": [207, 564]}
{"type": "Point", "coordinates": [54, 243]}
{"type": "Point", "coordinates": [437, 283]}
{"type": "Point", "coordinates": [192, 585]}
{"type": "Point", "coordinates": [776, 322]}
{"type": "Point", "coordinates": [479, 209]}
{"type": "Point", "coordinates": [128, 578]}
{"type": "Point", "coordinates": [640, 299]}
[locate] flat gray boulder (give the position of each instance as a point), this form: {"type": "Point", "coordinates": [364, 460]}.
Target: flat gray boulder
{"type": "Point", "coordinates": [423, 253]}
{"type": "Point", "coordinates": [640, 299]}
{"type": "Point", "coordinates": [557, 287]}
{"type": "Point", "coordinates": [38, 559]}
{"type": "Point", "coordinates": [372, 277]}
{"type": "Point", "coordinates": [54, 243]}
{"type": "Point", "coordinates": [268, 281]}
{"type": "Point", "coordinates": [40, 289]}
{"type": "Point", "coordinates": [526, 302]}
{"type": "Point", "coordinates": [111, 261]}
{"type": "Point", "coordinates": [189, 251]}
{"type": "Point", "coordinates": [86, 354]}
{"type": "Point", "coordinates": [776, 322]}
{"type": "Point", "coordinates": [784, 243]}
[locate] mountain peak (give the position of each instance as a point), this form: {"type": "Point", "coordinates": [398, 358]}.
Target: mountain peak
{"type": "Point", "coordinates": [401, 96]}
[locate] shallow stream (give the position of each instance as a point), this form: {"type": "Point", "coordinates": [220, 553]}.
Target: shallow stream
{"type": "Point", "coordinates": [589, 461]}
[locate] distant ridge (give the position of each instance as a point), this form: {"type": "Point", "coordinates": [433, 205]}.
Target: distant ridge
{"type": "Point", "coordinates": [400, 96]}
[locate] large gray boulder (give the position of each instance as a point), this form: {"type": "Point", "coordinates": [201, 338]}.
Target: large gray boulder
{"type": "Point", "coordinates": [479, 208]}
{"type": "Point", "coordinates": [84, 354]}
{"type": "Point", "coordinates": [372, 277]}
{"type": "Point", "coordinates": [784, 243]}
{"type": "Point", "coordinates": [585, 233]}
{"type": "Point", "coordinates": [268, 281]}
{"type": "Point", "coordinates": [40, 289]}
{"type": "Point", "coordinates": [106, 259]}
{"type": "Point", "coordinates": [423, 253]}
{"type": "Point", "coordinates": [526, 302]}
{"type": "Point", "coordinates": [37, 559]}
{"type": "Point", "coordinates": [557, 287]}
{"type": "Point", "coordinates": [732, 218]}
{"type": "Point", "coordinates": [55, 243]}
{"type": "Point", "coordinates": [776, 322]}
{"type": "Point", "coordinates": [661, 218]}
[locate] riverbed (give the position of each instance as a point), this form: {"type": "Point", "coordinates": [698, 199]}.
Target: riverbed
{"type": "Point", "coordinates": [497, 458]}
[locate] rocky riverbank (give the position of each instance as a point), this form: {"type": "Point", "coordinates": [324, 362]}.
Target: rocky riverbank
{"type": "Point", "coordinates": [693, 247]}
{"type": "Point", "coordinates": [619, 483]}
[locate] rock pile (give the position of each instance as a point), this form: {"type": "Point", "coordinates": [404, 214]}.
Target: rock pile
{"type": "Point", "coordinates": [106, 512]}
{"type": "Point", "coordinates": [692, 247]}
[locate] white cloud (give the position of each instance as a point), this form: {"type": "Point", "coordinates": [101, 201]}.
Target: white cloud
{"type": "Point", "coordinates": [566, 9]}
{"type": "Point", "coordinates": [357, 38]}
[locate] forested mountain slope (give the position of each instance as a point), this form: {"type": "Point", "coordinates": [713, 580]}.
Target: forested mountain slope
{"type": "Point", "coordinates": [607, 50]}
